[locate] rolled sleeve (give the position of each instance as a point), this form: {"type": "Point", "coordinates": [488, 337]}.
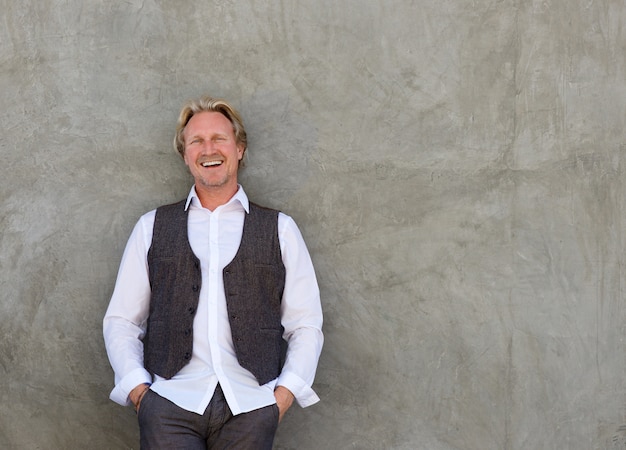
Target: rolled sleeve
{"type": "Point", "coordinates": [120, 392]}
{"type": "Point", "coordinates": [304, 394]}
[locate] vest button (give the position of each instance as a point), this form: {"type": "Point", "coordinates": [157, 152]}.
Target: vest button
{"type": "Point", "coordinates": [195, 288]}
{"type": "Point", "coordinates": [191, 310]}
{"type": "Point", "coordinates": [187, 356]}
{"type": "Point", "coordinates": [187, 332]}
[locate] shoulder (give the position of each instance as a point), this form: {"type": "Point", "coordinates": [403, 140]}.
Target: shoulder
{"type": "Point", "coordinates": [286, 225]}
{"type": "Point", "coordinates": [147, 220]}
{"type": "Point", "coordinates": [283, 218]}
{"type": "Point", "coordinates": [171, 212]}
{"type": "Point", "coordinates": [263, 209]}
{"type": "Point", "coordinates": [176, 206]}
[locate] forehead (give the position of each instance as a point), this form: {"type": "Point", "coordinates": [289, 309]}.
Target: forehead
{"type": "Point", "coordinates": [208, 123]}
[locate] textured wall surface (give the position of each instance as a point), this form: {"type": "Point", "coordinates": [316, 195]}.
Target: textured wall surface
{"type": "Point", "coordinates": [457, 168]}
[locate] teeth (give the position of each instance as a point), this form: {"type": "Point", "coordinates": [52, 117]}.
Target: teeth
{"type": "Point", "coordinates": [211, 163]}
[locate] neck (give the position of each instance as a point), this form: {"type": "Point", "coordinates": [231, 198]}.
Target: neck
{"type": "Point", "coordinates": [212, 198]}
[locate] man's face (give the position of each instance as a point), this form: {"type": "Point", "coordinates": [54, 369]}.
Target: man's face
{"type": "Point", "coordinates": [211, 151]}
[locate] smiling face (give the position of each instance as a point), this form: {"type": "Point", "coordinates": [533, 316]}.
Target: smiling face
{"type": "Point", "coordinates": [212, 154]}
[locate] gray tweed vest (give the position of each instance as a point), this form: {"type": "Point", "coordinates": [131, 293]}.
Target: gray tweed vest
{"type": "Point", "coordinates": [253, 284]}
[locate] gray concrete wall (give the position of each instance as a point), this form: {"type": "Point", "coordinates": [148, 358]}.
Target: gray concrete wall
{"type": "Point", "coordinates": [457, 168]}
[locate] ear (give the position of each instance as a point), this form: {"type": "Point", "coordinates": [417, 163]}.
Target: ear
{"type": "Point", "coordinates": [240, 151]}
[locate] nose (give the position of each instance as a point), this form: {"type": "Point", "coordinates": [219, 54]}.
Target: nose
{"type": "Point", "coordinates": [208, 146]}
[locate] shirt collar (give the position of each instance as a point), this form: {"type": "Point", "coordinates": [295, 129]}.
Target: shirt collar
{"type": "Point", "coordinates": [239, 197]}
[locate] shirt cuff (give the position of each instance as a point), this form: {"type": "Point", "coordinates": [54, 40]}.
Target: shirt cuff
{"type": "Point", "coordinates": [305, 396]}
{"type": "Point", "coordinates": [120, 392]}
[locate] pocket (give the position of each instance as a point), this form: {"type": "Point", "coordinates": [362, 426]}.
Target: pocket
{"type": "Point", "coordinates": [144, 405]}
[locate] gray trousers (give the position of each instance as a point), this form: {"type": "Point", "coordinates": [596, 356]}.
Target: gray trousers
{"type": "Point", "coordinates": [163, 425]}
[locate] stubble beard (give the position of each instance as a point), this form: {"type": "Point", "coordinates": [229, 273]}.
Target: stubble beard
{"type": "Point", "coordinates": [215, 183]}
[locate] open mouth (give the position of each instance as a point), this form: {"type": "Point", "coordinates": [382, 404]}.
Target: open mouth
{"type": "Point", "coordinates": [211, 163]}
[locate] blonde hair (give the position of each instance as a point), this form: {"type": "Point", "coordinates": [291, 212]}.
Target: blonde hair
{"type": "Point", "coordinates": [208, 104]}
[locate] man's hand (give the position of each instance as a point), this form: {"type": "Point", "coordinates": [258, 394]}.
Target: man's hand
{"type": "Point", "coordinates": [284, 399]}
{"type": "Point", "coordinates": [137, 394]}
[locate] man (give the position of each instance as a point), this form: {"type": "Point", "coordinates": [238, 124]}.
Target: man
{"type": "Point", "coordinates": [214, 326]}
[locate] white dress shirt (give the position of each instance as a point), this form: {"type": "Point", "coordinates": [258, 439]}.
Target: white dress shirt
{"type": "Point", "coordinates": [215, 237]}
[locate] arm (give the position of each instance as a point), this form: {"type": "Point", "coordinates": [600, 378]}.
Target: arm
{"type": "Point", "coordinates": [124, 324]}
{"type": "Point", "coordinates": [301, 316]}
